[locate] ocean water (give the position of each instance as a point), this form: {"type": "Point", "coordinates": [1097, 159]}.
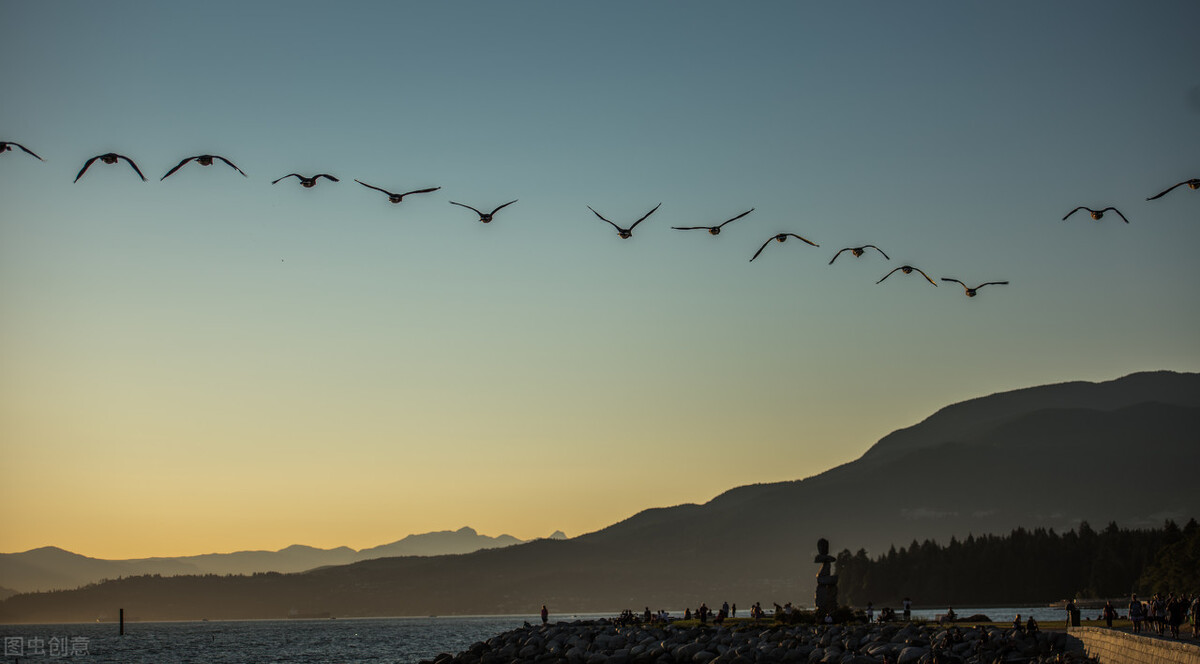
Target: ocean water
{"type": "Point", "coordinates": [359, 640]}
{"type": "Point", "coordinates": [348, 640]}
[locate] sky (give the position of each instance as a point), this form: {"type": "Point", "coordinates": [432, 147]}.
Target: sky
{"type": "Point", "coordinates": [212, 363]}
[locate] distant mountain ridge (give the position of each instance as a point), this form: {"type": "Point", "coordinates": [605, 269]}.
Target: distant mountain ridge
{"type": "Point", "coordinates": [1122, 451]}
{"type": "Point", "coordinates": [51, 568]}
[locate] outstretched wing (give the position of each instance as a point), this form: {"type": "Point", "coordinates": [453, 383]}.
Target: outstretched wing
{"type": "Point", "coordinates": [802, 239]}
{"type": "Point", "coordinates": [644, 217]}
{"type": "Point", "coordinates": [504, 206]}
{"type": "Point", "coordinates": [177, 167]}
{"type": "Point", "coordinates": [602, 217]}
{"type": "Point", "coordinates": [298, 176]}
{"type": "Point", "coordinates": [326, 176]}
{"type": "Point", "coordinates": [27, 150]}
{"type": "Point", "coordinates": [890, 274]}
{"type": "Point", "coordinates": [231, 164]}
{"type": "Point", "coordinates": [760, 249]}
{"type": "Point", "coordinates": [877, 249]}
{"type": "Point", "coordinates": [992, 283]}
{"type": "Point", "coordinates": [924, 275]}
{"type": "Point", "coordinates": [736, 218]}
{"type": "Point", "coordinates": [835, 256]}
{"type": "Point", "coordinates": [139, 171]}
{"type": "Point", "coordinates": [1118, 213]}
{"type": "Point", "coordinates": [1071, 213]}
{"type": "Point", "coordinates": [468, 207]}
{"type": "Point", "coordinates": [420, 191]}
{"type": "Point", "coordinates": [694, 228]}
{"type": "Point", "coordinates": [955, 281]}
{"type": "Point", "coordinates": [85, 167]}
{"type": "Point", "coordinates": [1160, 194]}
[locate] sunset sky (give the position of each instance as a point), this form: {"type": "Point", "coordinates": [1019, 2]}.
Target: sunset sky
{"type": "Point", "coordinates": [211, 363]}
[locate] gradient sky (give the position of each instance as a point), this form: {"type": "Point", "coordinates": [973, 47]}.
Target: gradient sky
{"type": "Point", "coordinates": [211, 363]}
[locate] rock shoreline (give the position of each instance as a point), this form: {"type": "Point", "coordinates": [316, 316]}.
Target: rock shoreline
{"type": "Point", "coordinates": [607, 642]}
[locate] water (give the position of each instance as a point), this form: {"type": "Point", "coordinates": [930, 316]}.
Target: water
{"type": "Point", "coordinates": [357, 640]}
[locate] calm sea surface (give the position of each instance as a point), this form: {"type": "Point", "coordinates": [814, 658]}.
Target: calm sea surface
{"type": "Point", "coordinates": [365, 640]}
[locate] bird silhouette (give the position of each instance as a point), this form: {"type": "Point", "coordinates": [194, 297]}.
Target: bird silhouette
{"type": "Point", "coordinates": [626, 233]}
{"type": "Point", "coordinates": [396, 198]}
{"type": "Point", "coordinates": [203, 160]}
{"type": "Point", "coordinates": [908, 269]}
{"type": "Point", "coordinates": [858, 251]}
{"type": "Point", "coordinates": [485, 217]}
{"type": "Point", "coordinates": [782, 237]}
{"type": "Point", "coordinates": [5, 146]}
{"type": "Point", "coordinates": [1194, 183]}
{"type": "Point", "coordinates": [712, 230]}
{"type": "Point", "coordinates": [1098, 214]}
{"type": "Point", "coordinates": [971, 291]}
{"type": "Point", "coordinates": [307, 182]}
{"type": "Point", "coordinates": [109, 158]}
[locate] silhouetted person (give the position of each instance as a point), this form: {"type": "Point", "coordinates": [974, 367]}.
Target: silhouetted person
{"type": "Point", "coordinates": [545, 615]}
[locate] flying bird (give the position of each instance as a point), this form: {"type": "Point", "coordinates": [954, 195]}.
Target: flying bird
{"type": "Point", "coordinates": [5, 146]}
{"type": "Point", "coordinates": [1097, 214]}
{"type": "Point", "coordinates": [110, 158]}
{"type": "Point", "coordinates": [782, 237]}
{"type": "Point", "coordinates": [712, 230]}
{"type": "Point", "coordinates": [858, 251]}
{"type": "Point", "coordinates": [626, 233]}
{"type": "Point", "coordinates": [1194, 183]}
{"type": "Point", "coordinates": [971, 291]}
{"type": "Point", "coordinates": [203, 160]}
{"type": "Point", "coordinates": [307, 182]}
{"type": "Point", "coordinates": [908, 269]}
{"type": "Point", "coordinates": [485, 217]}
{"type": "Point", "coordinates": [396, 198]}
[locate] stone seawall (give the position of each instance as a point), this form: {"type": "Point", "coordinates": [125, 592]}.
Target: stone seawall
{"type": "Point", "coordinates": [1116, 647]}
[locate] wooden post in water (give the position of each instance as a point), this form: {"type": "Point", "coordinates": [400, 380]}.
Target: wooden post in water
{"type": "Point", "coordinates": [122, 622]}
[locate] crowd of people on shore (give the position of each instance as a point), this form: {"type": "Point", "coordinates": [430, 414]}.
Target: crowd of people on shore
{"type": "Point", "coordinates": [1164, 614]}
{"type": "Point", "coordinates": [1161, 614]}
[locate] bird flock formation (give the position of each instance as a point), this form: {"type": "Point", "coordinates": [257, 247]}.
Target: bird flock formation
{"type": "Point", "coordinates": [622, 232]}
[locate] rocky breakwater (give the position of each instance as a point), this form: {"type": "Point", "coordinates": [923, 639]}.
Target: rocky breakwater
{"type": "Point", "coordinates": [605, 642]}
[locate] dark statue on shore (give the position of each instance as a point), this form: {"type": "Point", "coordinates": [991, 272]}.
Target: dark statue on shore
{"type": "Point", "coordinates": [826, 598]}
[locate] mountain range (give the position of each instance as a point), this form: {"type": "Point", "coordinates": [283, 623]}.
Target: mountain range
{"type": "Point", "coordinates": [52, 568]}
{"type": "Point", "coordinates": [1121, 451]}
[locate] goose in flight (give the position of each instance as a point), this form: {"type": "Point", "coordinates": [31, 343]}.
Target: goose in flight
{"type": "Point", "coordinates": [782, 237]}
{"type": "Point", "coordinates": [858, 251]}
{"type": "Point", "coordinates": [485, 217]}
{"type": "Point", "coordinates": [307, 182]}
{"type": "Point", "coordinates": [203, 160]}
{"type": "Point", "coordinates": [712, 230]}
{"type": "Point", "coordinates": [1194, 183]}
{"type": "Point", "coordinates": [1097, 214]}
{"type": "Point", "coordinates": [396, 198]}
{"type": "Point", "coordinates": [5, 146]}
{"type": "Point", "coordinates": [626, 233]}
{"type": "Point", "coordinates": [109, 158]}
{"type": "Point", "coordinates": [971, 291]}
{"type": "Point", "coordinates": [908, 269]}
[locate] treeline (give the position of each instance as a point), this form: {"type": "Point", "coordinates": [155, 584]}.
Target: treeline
{"type": "Point", "coordinates": [1025, 567]}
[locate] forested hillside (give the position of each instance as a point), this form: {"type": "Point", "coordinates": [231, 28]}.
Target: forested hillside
{"type": "Point", "coordinates": [1022, 567]}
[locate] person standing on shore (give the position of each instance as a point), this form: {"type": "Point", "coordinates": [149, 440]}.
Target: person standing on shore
{"type": "Point", "coordinates": [1135, 614]}
{"type": "Point", "coordinates": [907, 609]}
{"type": "Point", "coordinates": [545, 615]}
{"type": "Point", "coordinates": [1196, 617]}
{"type": "Point", "coordinates": [1109, 614]}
